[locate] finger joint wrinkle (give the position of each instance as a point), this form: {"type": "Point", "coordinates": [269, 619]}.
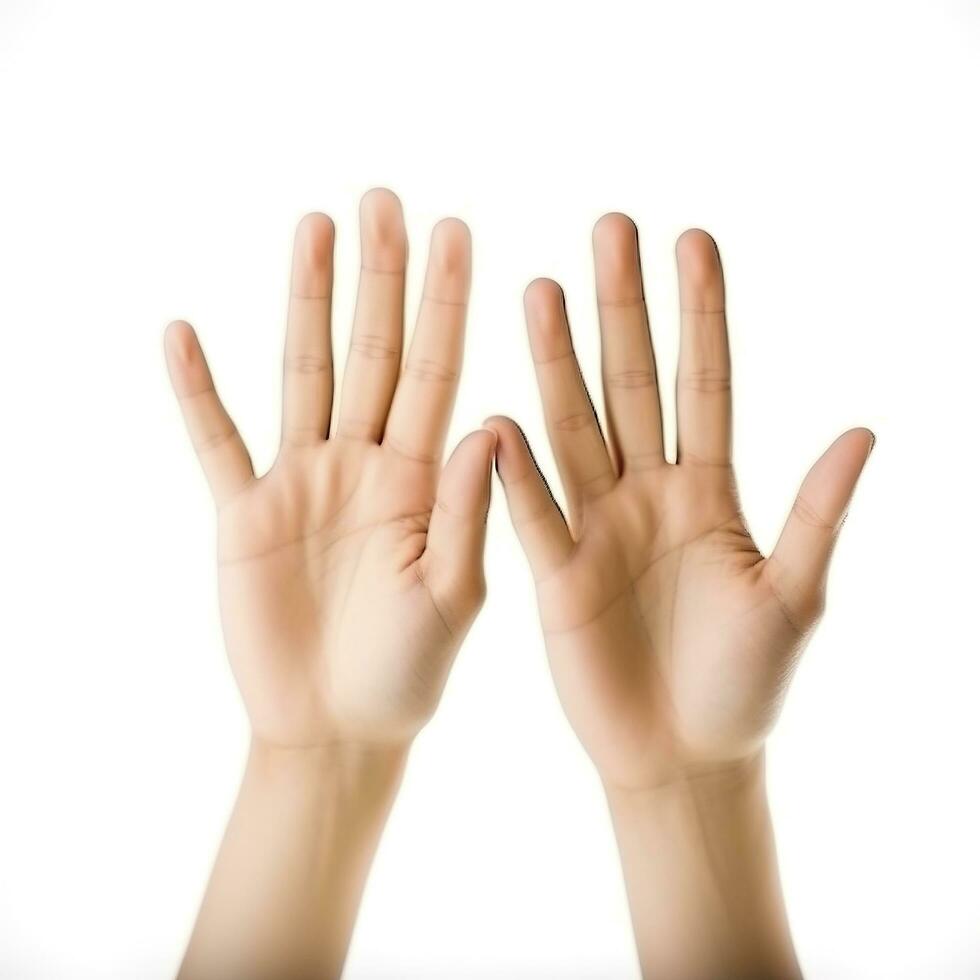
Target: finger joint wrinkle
{"type": "Point", "coordinates": [375, 347]}
{"type": "Point", "coordinates": [631, 378]}
{"type": "Point", "coordinates": [706, 380]}
{"type": "Point", "coordinates": [424, 369]}
{"type": "Point", "coordinates": [309, 364]}
{"type": "Point", "coordinates": [459, 304]}
{"type": "Point", "coordinates": [575, 422]}
{"type": "Point", "coordinates": [214, 441]}
{"type": "Point", "coordinates": [808, 514]}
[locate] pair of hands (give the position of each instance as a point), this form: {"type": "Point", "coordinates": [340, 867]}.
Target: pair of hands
{"type": "Point", "coordinates": [350, 573]}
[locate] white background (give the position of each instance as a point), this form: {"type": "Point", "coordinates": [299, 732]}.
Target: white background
{"type": "Point", "coordinates": [154, 161]}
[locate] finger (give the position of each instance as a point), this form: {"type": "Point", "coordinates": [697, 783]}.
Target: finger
{"type": "Point", "coordinates": [453, 559]}
{"type": "Point", "coordinates": [573, 430]}
{"type": "Point", "coordinates": [426, 391]}
{"type": "Point", "coordinates": [629, 372]}
{"type": "Point", "coordinates": [376, 339]}
{"type": "Point", "coordinates": [704, 390]}
{"type": "Point", "coordinates": [540, 526]}
{"type": "Point", "coordinates": [308, 362]}
{"type": "Point", "coordinates": [219, 447]}
{"type": "Point", "coordinates": [798, 565]}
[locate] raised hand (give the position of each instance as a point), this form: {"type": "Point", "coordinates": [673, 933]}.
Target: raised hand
{"type": "Point", "coordinates": [350, 572]}
{"type": "Point", "coordinates": [349, 575]}
{"type": "Point", "coordinates": [671, 638]}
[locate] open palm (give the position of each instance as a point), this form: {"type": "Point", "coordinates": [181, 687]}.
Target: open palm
{"type": "Point", "coordinates": [670, 637]}
{"type": "Point", "coordinates": [350, 572]}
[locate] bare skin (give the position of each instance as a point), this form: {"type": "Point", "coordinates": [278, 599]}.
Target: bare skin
{"type": "Point", "coordinates": [670, 636]}
{"type": "Point", "coordinates": [348, 576]}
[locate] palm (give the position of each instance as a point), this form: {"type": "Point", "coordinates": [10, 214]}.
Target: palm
{"type": "Point", "coordinates": [342, 597]}
{"type": "Point", "coordinates": [670, 637]}
{"type": "Point", "coordinates": [319, 583]}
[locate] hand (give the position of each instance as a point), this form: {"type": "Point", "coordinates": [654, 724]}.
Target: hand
{"type": "Point", "coordinates": [670, 637]}
{"type": "Point", "coordinates": [351, 571]}
{"type": "Point", "coordinates": [348, 577]}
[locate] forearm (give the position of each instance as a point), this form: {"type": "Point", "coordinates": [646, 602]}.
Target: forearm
{"type": "Point", "coordinates": [289, 875]}
{"type": "Point", "coordinates": [701, 873]}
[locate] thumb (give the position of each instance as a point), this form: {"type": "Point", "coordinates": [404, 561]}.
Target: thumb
{"type": "Point", "coordinates": [538, 521]}
{"type": "Point", "coordinates": [798, 565]}
{"type": "Point", "coordinates": [452, 562]}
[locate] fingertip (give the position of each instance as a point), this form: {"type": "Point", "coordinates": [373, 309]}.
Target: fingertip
{"type": "Point", "coordinates": [544, 309]}
{"type": "Point", "coordinates": [511, 446]}
{"type": "Point", "coordinates": [480, 441]}
{"type": "Point", "coordinates": [449, 247]}
{"type": "Point", "coordinates": [186, 363]}
{"type": "Point", "coordinates": [483, 439]}
{"type": "Point", "coordinates": [866, 436]}
{"type": "Point", "coordinates": [383, 240]}
{"type": "Point", "coordinates": [447, 276]}
{"type": "Point", "coordinates": [316, 226]}
{"type": "Point", "coordinates": [702, 286]}
{"type": "Point", "coordinates": [464, 485]}
{"type": "Point", "coordinates": [616, 246]}
{"type": "Point", "coordinates": [497, 420]}
{"type": "Point", "coordinates": [696, 242]}
{"type": "Point", "coordinates": [503, 428]}
{"type": "Point", "coordinates": [492, 434]}
{"type": "Point", "coordinates": [313, 256]}
{"type": "Point", "coordinates": [452, 230]}
{"type": "Point", "coordinates": [831, 480]}
{"type": "Point", "coordinates": [614, 229]}
{"type": "Point", "coordinates": [698, 255]}
{"type": "Point", "coordinates": [857, 442]}
{"type": "Point", "coordinates": [316, 231]}
{"type": "Point", "coordinates": [380, 201]}
{"type": "Point", "coordinates": [542, 294]}
{"type": "Point", "coordinates": [180, 341]}
{"type": "Point", "coordinates": [176, 328]}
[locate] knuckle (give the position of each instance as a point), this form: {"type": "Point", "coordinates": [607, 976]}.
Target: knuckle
{"type": "Point", "coordinates": [598, 484]}
{"type": "Point", "coordinates": [574, 422]}
{"type": "Point", "coordinates": [706, 380]}
{"type": "Point", "coordinates": [356, 428]}
{"type": "Point", "coordinates": [188, 398]}
{"type": "Point", "coordinates": [374, 347]}
{"type": "Point", "coordinates": [214, 440]}
{"type": "Point", "coordinates": [631, 378]}
{"type": "Point", "coordinates": [808, 514]}
{"type": "Point", "coordinates": [801, 607]}
{"type": "Point", "coordinates": [694, 459]}
{"type": "Point", "coordinates": [308, 364]}
{"type": "Point", "coordinates": [424, 369]}
{"type": "Point", "coordinates": [405, 451]}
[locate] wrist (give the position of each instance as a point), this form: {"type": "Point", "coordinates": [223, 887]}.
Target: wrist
{"type": "Point", "coordinates": [698, 785]}
{"type": "Point", "coordinates": [344, 773]}
{"type": "Point", "coordinates": [699, 810]}
{"type": "Point", "coordinates": [700, 866]}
